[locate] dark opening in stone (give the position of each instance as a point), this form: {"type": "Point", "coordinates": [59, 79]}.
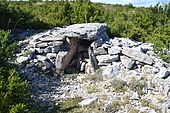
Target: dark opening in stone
{"type": "Point", "coordinates": [78, 62]}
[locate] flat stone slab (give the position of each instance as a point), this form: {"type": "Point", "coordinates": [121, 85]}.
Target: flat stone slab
{"type": "Point", "coordinates": [136, 55]}
{"type": "Point", "coordinates": [107, 58]}
{"type": "Point", "coordinates": [100, 51]}
{"type": "Point", "coordinates": [88, 101]}
{"type": "Point", "coordinates": [44, 44]}
{"type": "Point", "coordinates": [114, 50]}
{"type": "Point", "coordinates": [86, 31]}
{"type": "Point", "coordinates": [53, 38]}
{"type": "Point", "coordinates": [21, 59]}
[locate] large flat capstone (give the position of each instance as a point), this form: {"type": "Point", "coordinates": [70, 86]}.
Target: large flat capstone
{"type": "Point", "coordinates": [87, 31]}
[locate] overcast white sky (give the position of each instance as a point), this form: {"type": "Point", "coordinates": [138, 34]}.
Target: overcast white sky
{"type": "Point", "coordinates": [145, 3]}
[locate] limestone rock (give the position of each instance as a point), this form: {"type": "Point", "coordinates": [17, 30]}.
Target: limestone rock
{"type": "Point", "coordinates": [104, 63]}
{"type": "Point", "coordinates": [41, 58]}
{"type": "Point", "coordinates": [163, 73]}
{"type": "Point", "coordinates": [48, 49]}
{"type": "Point", "coordinates": [136, 55]}
{"type": "Point", "coordinates": [106, 45]}
{"type": "Point", "coordinates": [127, 62]}
{"type": "Point", "coordinates": [93, 59]}
{"type": "Point", "coordinates": [51, 39]}
{"type": "Point", "coordinates": [58, 43]}
{"type": "Point", "coordinates": [39, 50]}
{"type": "Point", "coordinates": [55, 49]}
{"type": "Point", "coordinates": [107, 58]}
{"type": "Point", "coordinates": [44, 44]}
{"type": "Point", "coordinates": [114, 50]}
{"type": "Point", "coordinates": [152, 111]}
{"type": "Point", "coordinates": [51, 55]}
{"type": "Point", "coordinates": [111, 71]}
{"type": "Point", "coordinates": [150, 70]}
{"type": "Point", "coordinates": [97, 43]}
{"type": "Point", "coordinates": [88, 31]}
{"type": "Point", "coordinates": [88, 101]}
{"type": "Point", "coordinates": [21, 59]}
{"type": "Point", "coordinates": [49, 64]}
{"type": "Point", "coordinates": [146, 47]}
{"type": "Point", "coordinates": [59, 59]}
{"type": "Point", "coordinates": [100, 51]}
{"type": "Point", "coordinates": [82, 67]}
{"type": "Point", "coordinates": [64, 57]}
{"type": "Point", "coordinates": [88, 67]}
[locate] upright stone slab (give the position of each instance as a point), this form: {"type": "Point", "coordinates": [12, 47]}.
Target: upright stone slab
{"type": "Point", "coordinates": [59, 59]}
{"type": "Point", "coordinates": [64, 57]}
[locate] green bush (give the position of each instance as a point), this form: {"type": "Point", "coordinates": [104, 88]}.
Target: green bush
{"type": "Point", "coordinates": [69, 105]}
{"type": "Point", "coordinates": [114, 106]}
{"type": "Point", "coordinates": [138, 85]}
{"type": "Point", "coordinates": [119, 85]}
{"type": "Point", "coordinates": [13, 90]}
{"type": "Point", "coordinates": [144, 102]}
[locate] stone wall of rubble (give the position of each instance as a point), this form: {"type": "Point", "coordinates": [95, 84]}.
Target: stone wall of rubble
{"type": "Point", "coordinates": [120, 52]}
{"type": "Point", "coordinates": [87, 47]}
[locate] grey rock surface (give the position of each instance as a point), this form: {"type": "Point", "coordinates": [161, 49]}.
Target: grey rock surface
{"type": "Point", "coordinates": [88, 31]}
{"type": "Point", "coordinates": [59, 59]}
{"type": "Point", "coordinates": [100, 51]}
{"type": "Point", "coordinates": [111, 71]}
{"type": "Point", "coordinates": [88, 101]}
{"type": "Point", "coordinates": [107, 58]}
{"type": "Point", "coordinates": [44, 44]}
{"type": "Point", "coordinates": [136, 55]}
{"type": "Point", "coordinates": [163, 73]}
{"type": "Point", "coordinates": [127, 62]}
{"type": "Point", "coordinates": [114, 50]}
{"type": "Point", "coordinates": [21, 59]}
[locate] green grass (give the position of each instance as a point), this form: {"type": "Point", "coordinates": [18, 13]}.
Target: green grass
{"type": "Point", "coordinates": [69, 105]}
{"type": "Point", "coordinates": [91, 89]}
{"type": "Point", "coordinates": [119, 85]}
{"type": "Point", "coordinates": [138, 85]}
{"type": "Point", "coordinates": [114, 106]}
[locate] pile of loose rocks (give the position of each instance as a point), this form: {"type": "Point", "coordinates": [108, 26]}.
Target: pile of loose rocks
{"type": "Point", "coordinates": [118, 52]}
{"type": "Point", "coordinates": [104, 61]}
{"type": "Point", "coordinates": [87, 47]}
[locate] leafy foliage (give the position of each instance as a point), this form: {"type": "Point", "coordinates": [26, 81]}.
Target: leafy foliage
{"type": "Point", "coordinates": [69, 105]}
{"type": "Point", "coordinates": [138, 85]}
{"type": "Point", "coordinates": [13, 90]}
{"type": "Point", "coordinates": [119, 85]}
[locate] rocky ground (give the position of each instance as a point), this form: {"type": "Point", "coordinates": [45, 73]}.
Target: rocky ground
{"type": "Point", "coordinates": [127, 92]}
{"type": "Point", "coordinates": [106, 75]}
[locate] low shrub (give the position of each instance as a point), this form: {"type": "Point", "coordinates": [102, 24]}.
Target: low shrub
{"type": "Point", "coordinates": [119, 85]}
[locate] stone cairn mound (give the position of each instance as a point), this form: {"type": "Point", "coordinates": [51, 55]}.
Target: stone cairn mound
{"type": "Point", "coordinates": [87, 47]}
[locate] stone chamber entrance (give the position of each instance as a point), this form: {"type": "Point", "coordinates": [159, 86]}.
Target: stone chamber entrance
{"type": "Point", "coordinates": [80, 58]}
